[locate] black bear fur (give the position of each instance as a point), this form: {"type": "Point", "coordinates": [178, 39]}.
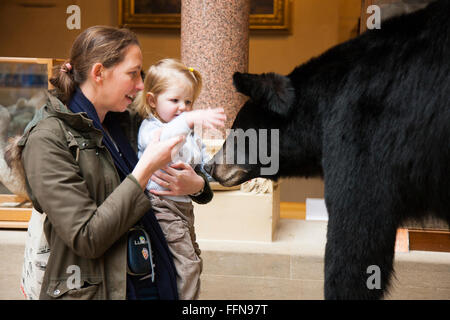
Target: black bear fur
{"type": "Point", "coordinates": [372, 117]}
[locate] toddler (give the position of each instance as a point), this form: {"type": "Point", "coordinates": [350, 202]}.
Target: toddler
{"type": "Point", "coordinates": [170, 89]}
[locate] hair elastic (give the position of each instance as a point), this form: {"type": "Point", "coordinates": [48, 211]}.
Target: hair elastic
{"type": "Point", "coordinates": [67, 66]}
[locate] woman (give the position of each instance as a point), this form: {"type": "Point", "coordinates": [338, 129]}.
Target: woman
{"type": "Point", "coordinates": [79, 157]}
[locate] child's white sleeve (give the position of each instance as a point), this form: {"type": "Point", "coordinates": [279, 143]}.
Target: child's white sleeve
{"type": "Point", "coordinates": [176, 127]}
{"type": "Point", "coordinates": [145, 135]}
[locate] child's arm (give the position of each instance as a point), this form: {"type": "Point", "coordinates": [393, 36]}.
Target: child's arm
{"type": "Point", "coordinates": [208, 118]}
{"type": "Point", "coordinates": [176, 127]}
{"type": "Point", "coordinates": [184, 123]}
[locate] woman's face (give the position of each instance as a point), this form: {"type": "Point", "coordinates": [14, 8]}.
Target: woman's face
{"type": "Point", "coordinates": [122, 81]}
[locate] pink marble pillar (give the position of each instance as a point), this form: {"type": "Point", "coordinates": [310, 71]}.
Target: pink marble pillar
{"type": "Point", "coordinates": [214, 40]}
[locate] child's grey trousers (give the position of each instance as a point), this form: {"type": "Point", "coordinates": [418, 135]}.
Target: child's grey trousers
{"type": "Point", "coordinates": [177, 222]}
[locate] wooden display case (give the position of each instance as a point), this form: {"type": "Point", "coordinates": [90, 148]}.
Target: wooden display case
{"type": "Point", "coordinates": [23, 82]}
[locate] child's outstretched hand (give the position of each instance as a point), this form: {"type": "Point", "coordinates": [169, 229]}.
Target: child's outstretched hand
{"type": "Point", "coordinates": [208, 118]}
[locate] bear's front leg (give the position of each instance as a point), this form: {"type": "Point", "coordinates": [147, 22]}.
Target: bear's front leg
{"type": "Point", "coordinates": [360, 244]}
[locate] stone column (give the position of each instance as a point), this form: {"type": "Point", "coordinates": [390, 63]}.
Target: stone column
{"type": "Point", "coordinates": [214, 40]}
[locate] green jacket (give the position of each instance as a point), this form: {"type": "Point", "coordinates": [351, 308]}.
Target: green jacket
{"type": "Point", "coordinates": [70, 175]}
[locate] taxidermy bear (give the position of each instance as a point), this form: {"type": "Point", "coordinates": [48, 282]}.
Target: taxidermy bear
{"type": "Point", "coordinates": [372, 117]}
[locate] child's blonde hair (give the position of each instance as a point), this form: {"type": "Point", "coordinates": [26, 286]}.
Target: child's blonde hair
{"type": "Point", "coordinates": [159, 78]}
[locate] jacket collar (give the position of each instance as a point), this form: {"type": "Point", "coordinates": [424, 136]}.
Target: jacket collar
{"type": "Point", "coordinates": [53, 107]}
{"type": "Point", "coordinates": [78, 121]}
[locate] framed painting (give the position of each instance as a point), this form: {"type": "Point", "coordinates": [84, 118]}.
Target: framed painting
{"type": "Point", "coordinates": [166, 14]}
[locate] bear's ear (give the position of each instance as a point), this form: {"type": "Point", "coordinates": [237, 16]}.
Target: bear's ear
{"type": "Point", "coordinates": [272, 91]}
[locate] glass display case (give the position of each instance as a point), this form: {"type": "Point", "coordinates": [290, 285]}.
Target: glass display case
{"type": "Point", "coordinates": [23, 82]}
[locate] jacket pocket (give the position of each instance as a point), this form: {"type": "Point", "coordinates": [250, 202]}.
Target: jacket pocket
{"type": "Point", "coordinates": [60, 290]}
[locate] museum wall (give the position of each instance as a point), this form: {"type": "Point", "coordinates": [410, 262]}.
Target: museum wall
{"type": "Point", "coordinates": [37, 28]}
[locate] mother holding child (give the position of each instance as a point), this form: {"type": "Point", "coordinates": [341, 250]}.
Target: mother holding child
{"type": "Point", "coordinates": [117, 193]}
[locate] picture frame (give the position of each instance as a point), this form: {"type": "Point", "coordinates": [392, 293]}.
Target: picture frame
{"type": "Point", "coordinates": [158, 14]}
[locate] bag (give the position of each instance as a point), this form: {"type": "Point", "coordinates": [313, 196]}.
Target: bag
{"type": "Point", "coordinates": [139, 254]}
{"type": "Point", "coordinates": [36, 256]}
{"type": "Point", "coordinates": [37, 249]}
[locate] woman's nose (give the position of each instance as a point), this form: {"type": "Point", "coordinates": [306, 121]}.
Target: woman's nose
{"type": "Point", "coordinates": [140, 84]}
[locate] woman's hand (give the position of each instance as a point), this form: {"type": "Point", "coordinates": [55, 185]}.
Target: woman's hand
{"type": "Point", "coordinates": [179, 178]}
{"type": "Point", "coordinates": [154, 157]}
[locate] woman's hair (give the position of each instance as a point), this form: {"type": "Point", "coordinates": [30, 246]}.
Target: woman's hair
{"type": "Point", "coordinates": [98, 44]}
{"type": "Point", "coordinates": [160, 77]}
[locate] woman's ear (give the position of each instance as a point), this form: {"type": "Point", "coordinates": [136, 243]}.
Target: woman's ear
{"type": "Point", "coordinates": [151, 99]}
{"type": "Point", "coordinates": [97, 72]}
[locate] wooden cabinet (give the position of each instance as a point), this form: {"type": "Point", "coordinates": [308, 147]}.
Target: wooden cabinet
{"type": "Point", "coordinates": [22, 85]}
